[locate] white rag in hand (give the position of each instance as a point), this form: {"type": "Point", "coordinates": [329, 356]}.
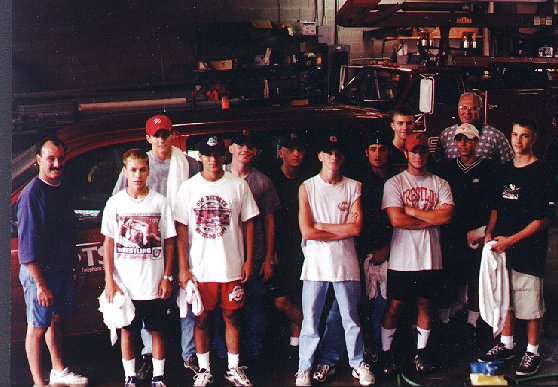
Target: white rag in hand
{"type": "Point", "coordinates": [117, 314]}
{"type": "Point", "coordinates": [190, 295]}
{"type": "Point", "coordinates": [375, 275]}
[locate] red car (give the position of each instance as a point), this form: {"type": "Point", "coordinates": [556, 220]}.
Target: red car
{"type": "Point", "coordinates": [93, 162]}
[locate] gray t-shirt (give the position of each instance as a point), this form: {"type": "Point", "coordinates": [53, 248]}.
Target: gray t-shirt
{"type": "Point", "coordinates": [158, 174]}
{"type": "Point", "coordinates": [267, 200]}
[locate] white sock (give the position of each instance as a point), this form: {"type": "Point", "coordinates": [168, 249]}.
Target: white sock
{"type": "Point", "coordinates": [507, 341]}
{"type": "Point", "coordinates": [203, 360]}
{"type": "Point", "coordinates": [158, 367]}
{"type": "Point", "coordinates": [294, 341]}
{"type": "Point", "coordinates": [472, 317]}
{"type": "Point", "coordinates": [129, 367]}
{"type": "Point", "coordinates": [533, 348]}
{"type": "Point", "coordinates": [233, 360]}
{"type": "Point", "coordinates": [422, 338]}
{"type": "Point", "coordinates": [444, 315]}
{"type": "Point", "coordinates": [387, 337]}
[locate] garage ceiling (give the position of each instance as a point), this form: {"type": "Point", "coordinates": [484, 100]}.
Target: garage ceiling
{"type": "Point", "coordinates": [391, 13]}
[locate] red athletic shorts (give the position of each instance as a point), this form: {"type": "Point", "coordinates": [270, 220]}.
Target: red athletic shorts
{"type": "Point", "coordinates": [229, 295]}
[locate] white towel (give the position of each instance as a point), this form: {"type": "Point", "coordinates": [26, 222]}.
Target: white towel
{"type": "Point", "coordinates": [117, 314]}
{"type": "Point", "coordinates": [494, 288]}
{"type": "Point", "coordinates": [473, 235]}
{"type": "Point", "coordinates": [190, 295]}
{"type": "Point", "coordinates": [374, 275]}
{"type": "Point", "coordinates": [179, 170]}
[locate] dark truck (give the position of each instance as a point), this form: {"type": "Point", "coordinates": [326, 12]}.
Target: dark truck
{"type": "Point", "coordinates": [511, 89]}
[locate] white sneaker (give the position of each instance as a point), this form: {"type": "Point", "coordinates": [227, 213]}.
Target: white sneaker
{"type": "Point", "coordinates": [237, 376]}
{"type": "Point", "coordinates": [303, 378]}
{"type": "Point", "coordinates": [322, 371]}
{"type": "Point", "coordinates": [364, 374]}
{"type": "Point", "coordinates": [67, 377]}
{"type": "Point", "coordinates": [203, 378]}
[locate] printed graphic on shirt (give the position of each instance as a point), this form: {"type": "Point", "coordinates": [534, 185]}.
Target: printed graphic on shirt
{"type": "Point", "coordinates": [343, 206]}
{"type": "Point", "coordinates": [420, 198]}
{"type": "Point", "coordinates": [213, 216]}
{"type": "Point", "coordinates": [236, 294]}
{"type": "Point", "coordinates": [511, 192]}
{"type": "Point", "coordinates": [139, 236]}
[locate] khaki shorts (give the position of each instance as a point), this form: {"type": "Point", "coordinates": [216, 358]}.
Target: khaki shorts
{"type": "Point", "coordinates": [526, 296]}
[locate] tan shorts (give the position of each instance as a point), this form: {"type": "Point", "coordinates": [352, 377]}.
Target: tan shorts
{"type": "Point", "coordinates": [526, 296]}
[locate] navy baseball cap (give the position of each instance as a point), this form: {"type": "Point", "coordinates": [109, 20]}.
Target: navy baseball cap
{"type": "Point", "coordinates": [291, 140]}
{"type": "Point", "coordinates": [212, 145]}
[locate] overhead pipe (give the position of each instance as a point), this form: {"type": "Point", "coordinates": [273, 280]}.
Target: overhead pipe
{"type": "Point", "coordinates": [119, 106]}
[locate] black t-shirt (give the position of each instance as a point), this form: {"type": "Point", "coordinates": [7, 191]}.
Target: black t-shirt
{"type": "Point", "coordinates": [524, 197]}
{"type": "Point", "coordinates": [474, 189]}
{"type": "Point", "coordinates": [397, 159]}
{"type": "Point", "coordinates": [287, 231]}
{"type": "Point", "coordinates": [377, 229]}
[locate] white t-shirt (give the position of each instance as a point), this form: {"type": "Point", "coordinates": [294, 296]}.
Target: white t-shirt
{"type": "Point", "coordinates": [415, 250]}
{"type": "Point", "coordinates": [139, 230]}
{"type": "Point", "coordinates": [331, 261]}
{"type": "Point", "coordinates": [214, 212]}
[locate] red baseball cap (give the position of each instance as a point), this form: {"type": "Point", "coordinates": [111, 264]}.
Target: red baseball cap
{"type": "Point", "coordinates": [414, 140]}
{"type": "Point", "coordinates": [156, 123]}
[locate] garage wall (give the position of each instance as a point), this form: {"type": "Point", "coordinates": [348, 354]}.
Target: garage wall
{"type": "Point", "coordinates": [68, 44]}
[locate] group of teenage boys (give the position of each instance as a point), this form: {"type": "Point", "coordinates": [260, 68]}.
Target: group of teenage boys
{"type": "Point", "coordinates": [405, 235]}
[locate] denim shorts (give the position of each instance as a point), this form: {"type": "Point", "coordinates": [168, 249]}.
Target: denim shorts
{"type": "Point", "coordinates": [62, 286]}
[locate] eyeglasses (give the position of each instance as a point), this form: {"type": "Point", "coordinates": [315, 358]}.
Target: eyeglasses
{"type": "Point", "coordinates": [469, 108]}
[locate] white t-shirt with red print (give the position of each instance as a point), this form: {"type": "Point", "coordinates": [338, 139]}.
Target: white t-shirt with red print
{"type": "Point", "coordinates": [139, 230]}
{"type": "Point", "coordinates": [415, 250]}
{"type": "Point", "coordinates": [214, 212]}
{"type": "Point", "coordinates": [331, 261]}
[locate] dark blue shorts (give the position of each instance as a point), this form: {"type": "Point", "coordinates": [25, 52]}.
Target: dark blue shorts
{"type": "Point", "coordinates": [410, 285]}
{"type": "Point", "coordinates": [151, 314]}
{"type": "Point", "coordinates": [62, 286]}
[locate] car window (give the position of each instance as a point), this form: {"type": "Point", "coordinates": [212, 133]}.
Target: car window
{"type": "Point", "coordinates": [92, 177]}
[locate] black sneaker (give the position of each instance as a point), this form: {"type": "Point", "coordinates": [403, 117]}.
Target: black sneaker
{"type": "Point", "coordinates": [146, 369]}
{"type": "Point", "coordinates": [498, 352]}
{"type": "Point", "coordinates": [529, 364]}
{"type": "Point", "coordinates": [130, 381]}
{"type": "Point", "coordinates": [388, 363]}
{"type": "Point", "coordinates": [422, 361]}
{"type": "Point", "coordinates": [191, 363]}
{"type": "Point", "coordinates": [158, 381]}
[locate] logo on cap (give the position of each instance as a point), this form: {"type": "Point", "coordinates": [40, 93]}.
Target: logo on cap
{"type": "Point", "coordinates": [333, 139]}
{"type": "Point", "coordinates": [212, 141]}
{"type": "Point", "coordinates": [157, 120]}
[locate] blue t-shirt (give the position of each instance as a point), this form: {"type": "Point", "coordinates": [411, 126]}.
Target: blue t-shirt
{"type": "Point", "coordinates": [46, 226]}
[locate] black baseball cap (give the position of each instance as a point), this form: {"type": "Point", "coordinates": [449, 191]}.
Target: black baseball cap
{"type": "Point", "coordinates": [291, 140]}
{"type": "Point", "coordinates": [377, 138]}
{"type": "Point", "coordinates": [331, 142]}
{"type": "Point", "coordinates": [212, 145]}
{"type": "Point", "coordinates": [244, 138]}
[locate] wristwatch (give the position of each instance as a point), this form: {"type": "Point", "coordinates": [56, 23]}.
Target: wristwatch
{"type": "Point", "coordinates": [168, 277]}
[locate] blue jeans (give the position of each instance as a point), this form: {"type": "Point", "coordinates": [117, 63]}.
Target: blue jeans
{"type": "Point", "coordinates": [187, 335]}
{"type": "Point", "coordinates": [332, 344]}
{"type": "Point", "coordinates": [347, 294]}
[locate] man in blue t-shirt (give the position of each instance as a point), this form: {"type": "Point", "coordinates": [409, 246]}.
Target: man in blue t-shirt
{"type": "Point", "coordinates": [48, 258]}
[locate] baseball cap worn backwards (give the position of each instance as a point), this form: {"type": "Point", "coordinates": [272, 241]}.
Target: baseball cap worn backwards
{"type": "Point", "coordinates": [212, 145]}
{"type": "Point", "coordinates": [415, 140]}
{"type": "Point", "coordinates": [467, 130]}
{"type": "Point", "coordinates": [377, 138]}
{"type": "Point", "coordinates": [156, 123]}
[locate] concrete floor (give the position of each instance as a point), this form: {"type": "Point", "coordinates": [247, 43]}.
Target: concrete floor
{"type": "Point", "coordinates": [93, 356]}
